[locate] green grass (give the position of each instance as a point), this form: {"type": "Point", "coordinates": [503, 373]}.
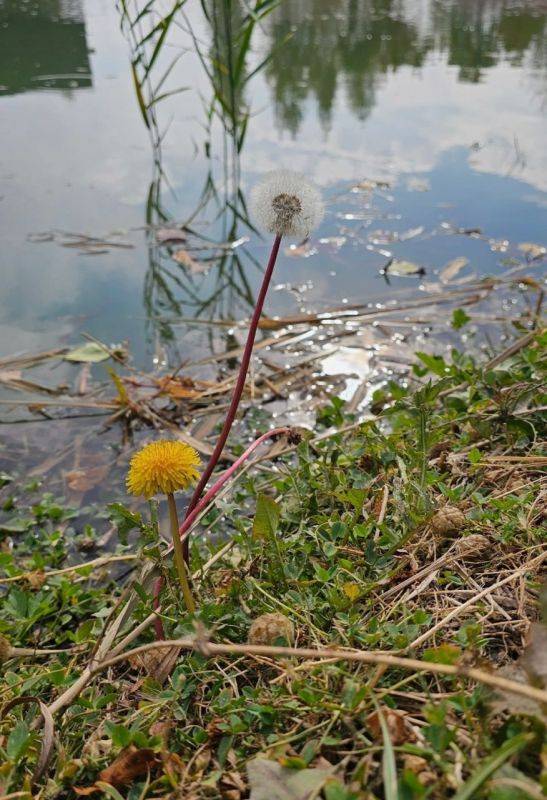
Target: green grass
{"type": "Point", "coordinates": [325, 535]}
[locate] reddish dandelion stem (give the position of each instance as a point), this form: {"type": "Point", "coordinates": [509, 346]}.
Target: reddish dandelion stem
{"type": "Point", "coordinates": [238, 391]}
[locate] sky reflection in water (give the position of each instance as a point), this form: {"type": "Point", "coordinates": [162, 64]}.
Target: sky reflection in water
{"type": "Point", "coordinates": [446, 96]}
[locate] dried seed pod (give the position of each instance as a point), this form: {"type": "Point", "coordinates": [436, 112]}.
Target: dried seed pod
{"type": "Point", "coordinates": [5, 649]}
{"type": "Point", "coordinates": [448, 520]}
{"type": "Point", "coordinates": [473, 545]}
{"type": "Point", "coordinates": [268, 628]}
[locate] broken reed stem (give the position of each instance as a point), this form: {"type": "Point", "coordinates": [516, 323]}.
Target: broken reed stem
{"type": "Point", "coordinates": [238, 391]}
{"type": "Point", "coordinates": [207, 649]}
{"type": "Point", "coordinates": [198, 508]}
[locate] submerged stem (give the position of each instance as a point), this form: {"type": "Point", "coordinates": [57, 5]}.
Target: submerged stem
{"type": "Point", "coordinates": [179, 555]}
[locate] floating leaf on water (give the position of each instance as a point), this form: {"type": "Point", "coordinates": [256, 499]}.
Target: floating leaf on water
{"type": "Point", "coordinates": [532, 251]}
{"type": "Point", "coordinates": [402, 268]}
{"type": "Point", "coordinates": [270, 781]}
{"type": "Point", "coordinates": [184, 258]}
{"type": "Point", "coordinates": [452, 268]}
{"type": "Point", "coordinates": [168, 235]}
{"type": "Point", "coordinates": [411, 233]}
{"type": "Point", "coordinates": [90, 352]}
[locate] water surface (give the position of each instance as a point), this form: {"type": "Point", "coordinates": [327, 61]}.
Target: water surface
{"type": "Point", "coordinates": [422, 121]}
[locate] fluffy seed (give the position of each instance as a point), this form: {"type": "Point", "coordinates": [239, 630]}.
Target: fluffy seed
{"type": "Point", "coordinates": [287, 204]}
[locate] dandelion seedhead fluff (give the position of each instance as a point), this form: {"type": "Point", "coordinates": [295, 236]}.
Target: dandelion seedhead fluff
{"type": "Point", "coordinates": [162, 467]}
{"type": "Point", "coordinates": [287, 204]}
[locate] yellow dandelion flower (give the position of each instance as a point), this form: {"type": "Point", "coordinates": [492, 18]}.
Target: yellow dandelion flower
{"type": "Point", "coordinates": [162, 467]}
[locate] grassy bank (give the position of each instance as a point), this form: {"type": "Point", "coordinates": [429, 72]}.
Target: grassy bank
{"type": "Point", "coordinates": [419, 534]}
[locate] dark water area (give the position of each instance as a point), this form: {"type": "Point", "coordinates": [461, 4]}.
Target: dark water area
{"type": "Point", "coordinates": [422, 121]}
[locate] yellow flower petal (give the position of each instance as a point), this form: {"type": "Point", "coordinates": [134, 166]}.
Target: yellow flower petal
{"type": "Point", "coordinates": [162, 467]}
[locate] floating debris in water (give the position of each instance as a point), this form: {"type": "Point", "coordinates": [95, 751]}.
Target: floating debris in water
{"type": "Point", "coordinates": [453, 267]}
{"type": "Point", "coordinates": [411, 233]}
{"type": "Point", "coordinates": [369, 185]}
{"type": "Point", "coordinates": [169, 235]}
{"type": "Point", "coordinates": [418, 185]}
{"type": "Point", "coordinates": [238, 242]}
{"type": "Point", "coordinates": [533, 252]}
{"type": "Point", "coordinates": [87, 245]}
{"type": "Point", "coordinates": [402, 269]}
{"type": "Point", "coordinates": [184, 258]}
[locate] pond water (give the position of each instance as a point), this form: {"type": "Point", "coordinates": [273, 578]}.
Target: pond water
{"type": "Point", "coordinates": [423, 122]}
{"type": "Point", "coordinates": [445, 101]}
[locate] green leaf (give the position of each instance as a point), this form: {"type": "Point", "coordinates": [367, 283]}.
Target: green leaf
{"type": "Point", "coordinates": [474, 455]}
{"type": "Point", "coordinates": [469, 790]}
{"type": "Point", "coordinates": [266, 521]}
{"type": "Point", "coordinates": [459, 318]}
{"type": "Point", "coordinates": [88, 353]}
{"type": "Point", "coordinates": [435, 364]}
{"type": "Point", "coordinates": [444, 654]}
{"type": "Point", "coordinates": [18, 741]}
{"type": "Point", "coordinates": [124, 520]}
{"type": "Point", "coordinates": [120, 735]}
{"type": "Point", "coordinates": [16, 525]}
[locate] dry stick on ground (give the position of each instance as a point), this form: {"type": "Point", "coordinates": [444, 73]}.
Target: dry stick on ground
{"type": "Point", "coordinates": [208, 649]}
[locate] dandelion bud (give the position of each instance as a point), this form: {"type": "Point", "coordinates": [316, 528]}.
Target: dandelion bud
{"type": "Point", "coordinates": [287, 204]}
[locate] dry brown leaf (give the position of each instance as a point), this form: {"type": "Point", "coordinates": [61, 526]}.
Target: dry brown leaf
{"type": "Point", "coordinates": [178, 388]}
{"type": "Point", "coordinates": [36, 579]}
{"type": "Point", "coordinates": [395, 720]}
{"type": "Point", "coordinates": [420, 768]}
{"type": "Point", "coordinates": [132, 763]}
{"type": "Point", "coordinates": [184, 258]}
{"type": "Point", "coordinates": [158, 663]}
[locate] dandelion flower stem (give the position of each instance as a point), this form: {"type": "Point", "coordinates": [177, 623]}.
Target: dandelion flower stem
{"type": "Point", "coordinates": [238, 391]}
{"type": "Point", "coordinates": [203, 503]}
{"type": "Point", "coordinates": [179, 555]}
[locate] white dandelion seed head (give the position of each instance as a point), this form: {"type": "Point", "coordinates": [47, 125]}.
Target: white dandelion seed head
{"type": "Point", "coordinates": [287, 204]}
